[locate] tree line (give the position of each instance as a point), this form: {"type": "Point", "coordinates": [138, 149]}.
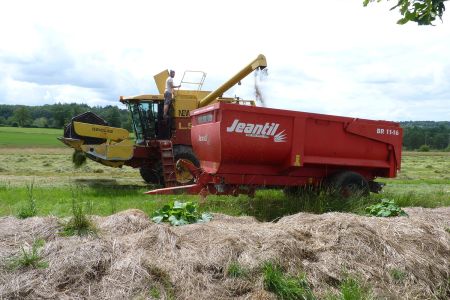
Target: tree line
{"type": "Point", "coordinates": [423, 135]}
{"type": "Point", "coordinates": [417, 135]}
{"type": "Point", "coordinates": [58, 115]}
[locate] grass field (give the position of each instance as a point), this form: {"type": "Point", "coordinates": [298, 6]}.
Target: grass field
{"type": "Point", "coordinates": [423, 181]}
{"type": "Point", "coordinates": [30, 137]}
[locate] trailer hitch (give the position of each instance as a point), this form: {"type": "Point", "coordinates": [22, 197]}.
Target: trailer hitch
{"type": "Point", "coordinates": [205, 184]}
{"type": "Point", "coordinates": [201, 178]}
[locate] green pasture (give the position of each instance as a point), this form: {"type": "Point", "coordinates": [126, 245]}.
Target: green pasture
{"type": "Point", "coordinates": [48, 176]}
{"type": "Point", "coordinates": [17, 137]}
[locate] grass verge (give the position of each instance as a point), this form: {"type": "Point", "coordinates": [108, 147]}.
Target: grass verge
{"type": "Point", "coordinates": [267, 205]}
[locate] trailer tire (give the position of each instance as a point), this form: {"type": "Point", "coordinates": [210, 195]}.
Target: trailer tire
{"type": "Point", "coordinates": [152, 175]}
{"type": "Point", "coordinates": [348, 184]}
{"type": "Point", "coordinates": [184, 152]}
{"type": "Point", "coordinates": [299, 190]}
{"type": "Point", "coordinates": [291, 191]}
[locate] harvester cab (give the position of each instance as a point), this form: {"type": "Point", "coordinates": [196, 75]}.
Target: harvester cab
{"type": "Point", "coordinates": [159, 142]}
{"type": "Point", "coordinates": [147, 110]}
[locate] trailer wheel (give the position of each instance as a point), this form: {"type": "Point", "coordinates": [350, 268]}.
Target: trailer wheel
{"type": "Point", "coordinates": [348, 184]}
{"type": "Point", "coordinates": [291, 191]}
{"type": "Point", "coordinates": [184, 152]}
{"type": "Point", "coordinates": [296, 191]}
{"type": "Point", "coordinates": [152, 175]}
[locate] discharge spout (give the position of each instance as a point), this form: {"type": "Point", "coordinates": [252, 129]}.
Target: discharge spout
{"type": "Point", "coordinates": [259, 62]}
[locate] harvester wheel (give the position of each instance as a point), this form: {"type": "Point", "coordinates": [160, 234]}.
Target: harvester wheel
{"type": "Point", "coordinates": [348, 184]}
{"type": "Point", "coordinates": [184, 152]}
{"type": "Point", "coordinates": [152, 175]}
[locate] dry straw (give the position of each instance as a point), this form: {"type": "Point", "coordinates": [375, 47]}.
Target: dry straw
{"type": "Point", "coordinates": [132, 257]}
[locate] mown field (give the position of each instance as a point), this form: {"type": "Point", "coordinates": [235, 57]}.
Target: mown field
{"type": "Point", "coordinates": [44, 171]}
{"type": "Point", "coordinates": [30, 137]}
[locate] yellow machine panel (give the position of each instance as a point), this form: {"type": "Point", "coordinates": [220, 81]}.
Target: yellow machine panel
{"type": "Point", "coordinates": [100, 131]}
{"type": "Point", "coordinates": [120, 151]}
{"type": "Point", "coordinates": [183, 106]}
{"type": "Point", "coordinates": [160, 80]}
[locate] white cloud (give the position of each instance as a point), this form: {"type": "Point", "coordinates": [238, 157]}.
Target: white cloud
{"type": "Point", "coordinates": [333, 57]}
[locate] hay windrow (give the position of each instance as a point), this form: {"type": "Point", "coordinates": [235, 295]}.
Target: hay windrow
{"type": "Point", "coordinates": [131, 256]}
{"type": "Point", "coordinates": [78, 158]}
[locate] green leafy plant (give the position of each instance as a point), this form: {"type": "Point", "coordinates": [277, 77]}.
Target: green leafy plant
{"type": "Point", "coordinates": [386, 208]}
{"type": "Point", "coordinates": [29, 257]}
{"type": "Point", "coordinates": [29, 209]}
{"type": "Point", "coordinates": [180, 213]}
{"type": "Point", "coordinates": [284, 286]}
{"type": "Point", "coordinates": [423, 12]}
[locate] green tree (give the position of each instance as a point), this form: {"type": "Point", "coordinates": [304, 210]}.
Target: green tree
{"type": "Point", "coordinates": [6, 111]}
{"type": "Point", "coordinates": [62, 113]}
{"type": "Point", "coordinates": [126, 122]}
{"type": "Point", "coordinates": [440, 140]}
{"type": "Point", "coordinates": [113, 116]}
{"type": "Point", "coordinates": [40, 122]}
{"type": "Point", "coordinates": [22, 116]}
{"type": "Point", "coordinates": [423, 12]}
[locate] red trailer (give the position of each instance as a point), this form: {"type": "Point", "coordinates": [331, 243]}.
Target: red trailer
{"type": "Point", "coordinates": [243, 147]}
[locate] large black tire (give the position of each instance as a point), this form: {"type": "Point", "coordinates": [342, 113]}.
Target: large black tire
{"type": "Point", "coordinates": [292, 191]}
{"type": "Point", "coordinates": [152, 175]}
{"type": "Point", "coordinates": [299, 191]}
{"type": "Point", "coordinates": [348, 184]}
{"type": "Point", "coordinates": [184, 152]}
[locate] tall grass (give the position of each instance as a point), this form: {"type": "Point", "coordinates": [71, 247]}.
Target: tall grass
{"type": "Point", "coordinates": [29, 257]}
{"type": "Point", "coordinates": [58, 201]}
{"type": "Point", "coordinates": [267, 205]}
{"type": "Point", "coordinates": [351, 288]}
{"type": "Point", "coordinates": [28, 209]}
{"type": "Point", "coordinates": [235, 270]}
{"type": "Point", "coordinates": [80, 223]}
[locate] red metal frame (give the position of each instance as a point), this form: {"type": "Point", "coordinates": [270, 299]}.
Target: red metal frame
{"type": "Point", "coordinates": [242, 147]}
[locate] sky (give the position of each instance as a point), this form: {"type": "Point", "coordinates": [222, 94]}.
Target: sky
{"type": "Point", "coordinates": [330, 57]}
